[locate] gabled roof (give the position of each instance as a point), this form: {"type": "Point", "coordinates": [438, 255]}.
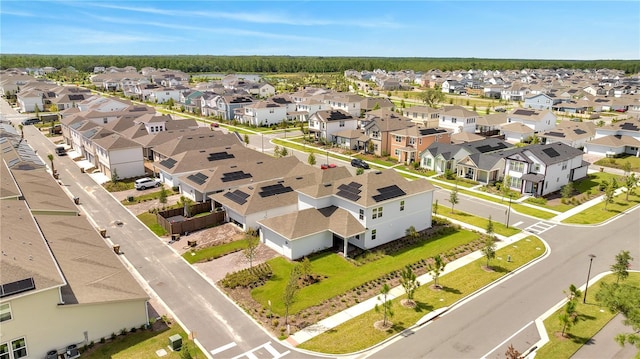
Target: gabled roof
{"type": "Point", "coordinates": [528, 114]}
{"type": "Point", "coordinates": [333, 115]}
{"type": "Point", "coordinates": [115, 142]}
{"type": "Point", "coordinates": [548, 154]}
{"type": "Point", "coordinates": [210, 158]}
{"type": "Point", "coordinates": [386, 120]}
{"type": "Point", "coordinates": [571, 131]}
{"type": "Point", "coordinates": [616, 141]}
{"type": "Point", "coordinates": [458, 111]}
{"type": "Point", "coordinates": [517, 127]}
{"type": "Point", "coordinates": [197, 141]}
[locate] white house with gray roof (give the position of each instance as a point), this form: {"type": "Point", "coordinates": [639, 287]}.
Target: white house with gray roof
{"type": "Point", "coordinates": [362, 211]}
{"type": "Point", "coordinates": [537, 120]}
{"type": "Point", "coordinates": [457, 119]}
{"type": "Point", "coordinates": [324, 124]}
{"type": "Point", "coordinates": [616, 139]}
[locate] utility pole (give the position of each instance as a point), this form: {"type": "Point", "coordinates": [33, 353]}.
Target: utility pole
{"type": "Point", "coordinates": [584, 299]}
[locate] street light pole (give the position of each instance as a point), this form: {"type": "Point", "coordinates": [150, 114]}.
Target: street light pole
{"type": "Point", "coordinates": [509, 210]}
{"type": "Point", "coordinates": [584, 299]}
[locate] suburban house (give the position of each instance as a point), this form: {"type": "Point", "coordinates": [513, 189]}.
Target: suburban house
{"type": "Point", "coordinates": [164, 94]}
{"type": "Point", "coordinates": [516, 132]}
{"type": "Point", "coordinates": [378, 126]}
{"type": "Point", "coordinates": [408, 143]}
{"type": "Point", "coordinates": [425, 115]}
{"type": "Point", "coordinates": [537, 120]}
{"type": "Point", "coordinates": [542, 169]}
{"type": "Point", "coordinates": [374, 103]}
{"type": "Point", "coordinates": [29, 100]}
{"type": "Point", "coordinates": [516, 92]}
{"type": "Point", "coordinates": [362, 211]}
{"type": "Point", "coordinates": [347, 102]}
{"type": "Point", "coordinates": [192, 139]}
{"type": "Point", "coordinates": [539, 102]}
{"type": "Point", "coordinates": [485, 168]}
{"type": "Point", "coordinates": [55, 266]}
{"type": "Point", "coordinates": [324, 124]}
{"type": "Point", "coordinates": [308, 107]}
{"type": "Point", "coordinates": [574, 134]}
{"type": "Point", "coordinates": [246, 205]}
{"type": "Point", "coordinates": [458, 119]}
{"type": "Point", "coordinates": [441, 157]}
{"type": "Point", "coordinates": [118, 156]}
{"type": "Point", "coordinates": [224, 106]}
{"type": "Point", "coordinates": [489, 125]}
{"type": "Point", "coordinates": [261, 113]}
{"type": "Point", "coordinates": [618, 138]}
{"type": "Point", "coordinates": [351, 139]}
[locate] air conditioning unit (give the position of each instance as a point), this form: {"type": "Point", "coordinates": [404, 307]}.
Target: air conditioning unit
{"type": "Point", "coordinates": [72, 352]}
{"type": "Point", "coordinates": [52, 354]}
{"type": "Point", "coordinates": [175, 342]}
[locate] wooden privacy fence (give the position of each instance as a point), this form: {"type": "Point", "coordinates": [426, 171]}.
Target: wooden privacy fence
{"type": "Point", "coordinates": [174, 222]}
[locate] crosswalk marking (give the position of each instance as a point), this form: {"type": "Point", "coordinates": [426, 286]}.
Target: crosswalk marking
{"type": "Point", "coordinates": [272, 351]}
{"type": "Point", "coordinates": [517, 224]}
{"type": "Point", "coordinates": [540, 227]}
{"type": "Point", "coordinates": [223, 348]}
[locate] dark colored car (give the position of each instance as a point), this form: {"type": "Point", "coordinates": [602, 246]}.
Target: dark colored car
{"type": "Point", "coordinates": [60, 151]}
{"type": "Point", "coordinates": [30, 121]}
{"type": "Point", "coordinates": [356, 162]}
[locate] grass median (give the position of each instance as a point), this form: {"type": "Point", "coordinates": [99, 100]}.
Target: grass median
{"type": "Point", "coordinates": [598, 214]}
{"type": "Point", "coordinates": [593, 318]}
{"type": "Point", "coordinates": [359, 333]}
{"type": "Point", "coordinates": [481, 222]}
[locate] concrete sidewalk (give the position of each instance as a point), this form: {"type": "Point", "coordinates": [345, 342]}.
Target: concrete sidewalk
{"type": "Point", "coordinates": [577, 209]}
{"type": "Point", "coordinates": [369, 304]}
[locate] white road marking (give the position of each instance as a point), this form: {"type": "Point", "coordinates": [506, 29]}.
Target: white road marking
{"type": "Point", "coordinates": [506, 340]}
{"type": "Point", "coordinates": [268, 347]}
{"type": "Point", "coordinates": [517, 224]}
{"type": "Point", "coordinates": [540, 227]}
{"type": "Point", "coordinates": [223, 348]}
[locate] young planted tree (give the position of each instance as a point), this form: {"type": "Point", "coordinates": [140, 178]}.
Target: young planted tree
{"type": "Point", "coordinates": [631, 182]}
{"type": "Point", "coordinates": [50, 157]}
{"type": "Point", "coordinates": [504, 188]}
{"type": "Point", "coordinates": [626, 167]}
{"type": "Point", "coordinates": [435, 207]}
{"type": "Point", "coordinates": [246, 139]}
{"type": "Point", "coordinates": [621, 267]}
{"type": "Point", "coordinates": [288, 296]}
{"type": "Point", "coordinates": [512, 353]}
{"type": "Point", "coordinates": [609, 195]}
{"type": "Point", "coordinates": [276, 151]}
{"type": "Point", "coordinates": [114, 176]}
{"type": "Point", "coordinates": [489, 228]}
{"type": "Point", "coordinates": [385, 305]}
{"type": "Point", "coordinates": [489, 249]}
{"type": "Point", "coordinates": [569, 317]}
{"type": "Point", "coordinates": [162, 197]}
{"type": "Point", "coordinates": [453, 198]}
{"type": "Point", "coordinates": [21, 128]}
{"type": "Point", "coordinates": [410, 283]}
{"type": "Point", "coordinates": [573, 294]}
{"type": "Point", "coordinates": [306, 270]}
{"type": "Point", "coordinates": [411, 232]}
{"type": "Point", "coordinates": [435, 269]}
{"type": "Point", "coordinates": [371, 148]}
{"type": "Point", "coordinates": [567, 190]}
{"type": "Point", "coordinates": [311, 159]}
{"type": "Point", "coordinates": [251, 250]}
{"type": "Point", "coordinates": [283, 152]}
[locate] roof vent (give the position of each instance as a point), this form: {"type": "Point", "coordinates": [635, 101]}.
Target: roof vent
{"type": "Point", "coordinates": [378, 172]}
{"type": "Point", "coordinates": [234, 166]}
{"type": "Point", "coordinates": [280, 181]}
{"type": "Point", "coordinates": [327, 184]}
{"type": "Point", "coordinates": [259, 162]}
{"type": "Point", "coordinates": [298, 178]}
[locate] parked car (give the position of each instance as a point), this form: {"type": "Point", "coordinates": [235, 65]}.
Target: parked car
{"type": "Point", "coordinates": [356, 162]}
{"type": "Point", "coordinates": [61, 151]}
{"type": "Point", "coordinates": [215, 124]}
{"type": "Point", "coordinates": [325, 166]}
{"type": "Point", "coordinates": [146, 182]}
{"type": "Point", "coordinates": [30, 121]}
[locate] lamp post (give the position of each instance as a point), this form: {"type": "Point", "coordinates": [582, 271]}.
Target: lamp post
{"type": "Point", "coordinates": [584, 299]}
{"type": "Point", "coordinates": [509, 210]}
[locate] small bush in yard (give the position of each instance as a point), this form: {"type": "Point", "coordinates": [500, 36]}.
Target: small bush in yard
{"type": "Point", "coordinates": [250, 277]}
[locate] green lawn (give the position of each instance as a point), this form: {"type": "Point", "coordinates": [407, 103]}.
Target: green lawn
{"type": "Point", "coordinates": [593, 180]}
{"type": "Point", "coordinates": [147, 197]}
{"type": "Point", "coordinates": [480, 222]}
{"type": "Point", "coordinates": [142, 344]}
{"type": "Point", "coordinates": [215, 251]}
{"type": "Point", "coordinates": [359, 333]}
{"type": "Point", "coordinates": [343, 275]}
{"type": "Point", "coordinates": [597, 214]}
{"type": "Point", "coordinates": [593, 318]}
{"type": "Point", "coordinates": [150, 220]}
{"type": "Point", "coordinates": [619, 162]}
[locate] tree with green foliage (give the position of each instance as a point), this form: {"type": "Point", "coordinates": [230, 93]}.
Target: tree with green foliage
{"type": "Point", "coordinates": [371, 147]}
{"type": "Point", "coordinates": [489, 228]}
{"type": "Point", "coordinates": [573, 293]}
{"type": "Point", "coordinates": [21, 128]}
{"type": "Point", "coordinates": [162, 197]}
{"type": "Point", "coordinates": [626, 167]}
{"type": "Point", "coordinates": [251, 250]}
{"type": "Point", "coordinates": [50, 157]}
{"type": "Point", "coordinates": [290, 290]}
{"type": "Point", "coordinates": [487, 110]}
{"type": "Point", "coordinates": [170, 103]}
{"type": "Point", "coordinates": [411, 232]}
{"type": "Point", "coordinates": [489, 249]}
{"type": "Point", "coordinates": [185, 352]}
{"type": "Point", "coordinates": [504, 188]}
{"type": "Point", "coordinates": [284, 152]}
{"type": "Point", "coordinates": [246, 139]}
{"type": "Point", "coordinates": [114, 176]}
{"type": "Point", "coordinates": [609, 193]}
{"type": "Point", "coordinates": [568, 317]}
{"type": "Point", "coordinates": [630, 182]}
{"type": "Point", "coordinates": [306, 269]}
{"type": "Point", "coordinates": [624, 299]}
{"type": "Point", "coordinates": [376, 106]}
{"type": "Point", "coordinates": [359, 171]}
{"type": "Point", "coordinates": [409, 282]}
{"type": "Point", "coordinates": [621, 267]}
{"type": "Point", "coordinates": [435, 207]}
{"type": "Point", "coordinates": [276, 151]}
{"type": "Point", "coordinates": [453, 198]}
{"type": "Point", "coordinates": [385, 304]}
{"type": "Point", "coordinates": [311, 159]}
{"type": "Point", "coordinates": [567, 190]}
{"type": "Point", "coordinates": [432, 96]}
{"type": "Point", "coordinates": [435, 268]}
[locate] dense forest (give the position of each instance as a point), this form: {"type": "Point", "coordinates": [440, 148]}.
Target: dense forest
{"type": "Point", "coordinates": [293, 64]}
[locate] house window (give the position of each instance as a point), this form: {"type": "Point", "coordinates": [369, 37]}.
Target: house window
{"type": "Point", "coordinates": [361, 214]}
{"type": "Point", "coordinates": [536, 167]}
{"type": "Point", "coordinates": [564, 165]}
{"type": "Point", "coordinates": [398, 138]}
{"type": "Point", "coordinates": [454, 120]}
{"type": "Point", "coordinates": [104, 120]}
{"type": "Point", "coordinates": [4, 351]}
{"type": "Point", "coordinates": [428, 164]}
{"type": "Point", "coordinates": [375, 134]}
{"type": "Point", "coordinates": [377, 213]}
{"type": "Point", "coordinates": [516, 166]}
{"type": "Point", "coordinates": [341, 123]}
{"type": "Point", "coordinates": [19, 348]}
{"type": "Point", "coordinates": [397, 152]}
{"type": "Point", "coordinates": [5, 312]}
{"type": "Point", "coordinates": [515, 182]}
{"type": "Point", "coordinates": [412, 140]}
{"type": "Point", "coordinates": [401, 205]}
{"type": "Point", "coordinates": [373, 234]}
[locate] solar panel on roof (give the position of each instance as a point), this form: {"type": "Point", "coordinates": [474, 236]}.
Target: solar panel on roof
{"type": "Point", "coordinates": [350, 191]}
{"type": "Point", "coordinates": [272, 190]}
{"type": "Point", "coordinates": [169, 162]}
{"type": "Point", "coordinates": [198, 178]}
{"type": "Point", "coordinates": [388, 192]}
{"type": "Point", "coordinates": [16, 287]}
{"type": "Point", "coordinates": [629, 126]}
{"type": "Point", "coordinates": [219, 156]}
{"type": "Point", "coordinates": [555, 134]}
{"type": "Point", "coordinates": [234, 176]}
{"type": "Point", "coordinates": [237, 196]}
{"type": "Point", "coordinates": [551, 152]}
{"type": "Point", "coordinates": [524, 112]}
{"type": "Point", "coordinates": [578, 131]}
{"type": "Point", "coordinates": [76, 97]}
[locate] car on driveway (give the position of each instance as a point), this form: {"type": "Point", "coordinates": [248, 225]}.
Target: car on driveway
{"type": "Point", "coordinates": [325, 166]}
{"type": "Point", "coordinates": [30, 121]}
{"type": "Point", "coordinates": [146, 182]}
{"type": "Point", "coordinates": [356, 162]}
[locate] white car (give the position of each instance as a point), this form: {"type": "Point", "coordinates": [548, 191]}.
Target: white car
{"type": "Point", "coordinates": [146, 182]}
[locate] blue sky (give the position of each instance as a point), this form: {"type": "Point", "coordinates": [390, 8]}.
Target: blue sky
{"type": "Point", "coordinates": [579, 30]}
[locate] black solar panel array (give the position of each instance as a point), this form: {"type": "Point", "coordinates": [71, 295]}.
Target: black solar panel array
{"type": "Point", "coordinates": [219, 156]}
{"type": "Point", "coordinates": [237, 196]}
{"type": "Point", "coordinates": [198, 178]}
{"type": "Point", "coordinates": [578, 131]}
{"type": "Point", "coordinates": [556, 134]}
{"type": "Point", "coordinates": [337, 115]}
{"type": "Point", "coordinates": [551, 152]}
{"type": "Point", "coordinates": [272, 190]}
{"type": "Point", "coordinates": [76, 97]}
{"type": "Point", "coordinates": [524, 112]}
{"type": "Point", "coordinates": [16, 287]}
{"type": "Point", "coordinates": [388, 192]}
{"type": "Point", "coordinates": [629, 126]}
{"type": "Point", "coordinates": [234, 176]}
{"type": "Point", "coordinates": [169, 162]}
{"type": "Point", "coordinates": [350, 191]}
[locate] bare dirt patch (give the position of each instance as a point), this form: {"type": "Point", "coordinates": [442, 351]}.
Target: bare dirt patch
{"type": "Point", "coordinates": [382, 326]}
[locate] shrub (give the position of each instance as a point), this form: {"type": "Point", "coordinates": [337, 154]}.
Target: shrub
{"type": "Point", "coordinates": [250, 277]}
{"type": "Point", "coordinates": [102, 340]}
{"type": "Point", "coordinates": [123, 331]}
{"type": "Point", "coordinates": [113, 336]}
